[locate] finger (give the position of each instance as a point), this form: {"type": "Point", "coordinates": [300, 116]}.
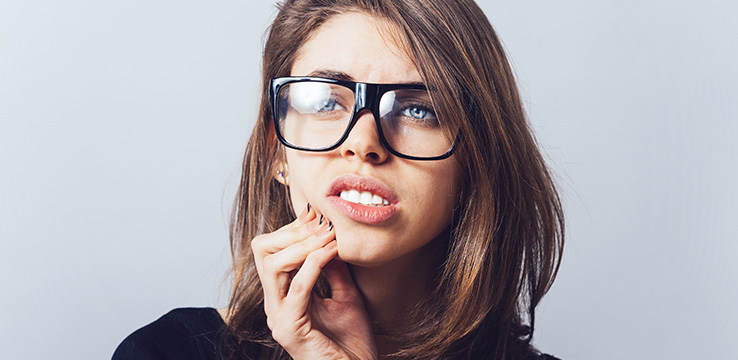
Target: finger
{"type": "Point", "coordinates": [276, 269]}
{"type": "Point", "coordinates": [271, 243]}
{"type": "Point", "coordinates": [262, 246]}
{"type": "Point", "coordinates": [293, 256]}
{"type": "Point", "coordinates": [307, 214]}
{"type": "Point", "coordinates": [297, 299]}
{"type": "Point", "coordinates": [343, 287]}
{"type": "Point", "coordinates": [305, 225]}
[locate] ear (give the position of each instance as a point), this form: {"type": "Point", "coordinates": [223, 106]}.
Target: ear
{"type": "Point", "coordinates": [280, 173]}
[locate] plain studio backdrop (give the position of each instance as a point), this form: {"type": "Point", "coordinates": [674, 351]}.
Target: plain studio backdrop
{"type": "Point", "coordinates": [122, 125]}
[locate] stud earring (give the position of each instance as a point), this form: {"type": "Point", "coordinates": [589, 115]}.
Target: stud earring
{"type": "Point", "coordinates": [280, 173]}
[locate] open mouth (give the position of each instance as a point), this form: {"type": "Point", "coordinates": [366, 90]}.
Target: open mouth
{"type": "Point", "coordinates": [363, 198]}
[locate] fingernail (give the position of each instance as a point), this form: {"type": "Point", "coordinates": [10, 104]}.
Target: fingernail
{"type": "Point", "coordinates": [304, 216]}
{"type": "Point", "coordinates": [326, 229]}
{"type": "Point", "coordinates": [321, 219]}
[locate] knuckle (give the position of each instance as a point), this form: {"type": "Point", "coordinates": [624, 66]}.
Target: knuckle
{"type": "Point", "coordinates": [269, 263]}
{"type": "Point", "coordinates": [257, 243]}
{"type": "Point", "coordinates": [305, 247]}
{"type": "Point", "coordinates": [302, 231]}
{"type": "Point", "coordinates": [298, 287]}
{"type": "Point", "coordinates": [296, 235]}
{"type": "Point", "coordinates": [281, 335]}
{"type": "Point", "coordinates": [313, 259]}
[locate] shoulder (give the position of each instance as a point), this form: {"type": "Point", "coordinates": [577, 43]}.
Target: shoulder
{"type": "Point", "coordinates": [548, 357]}
{"type": "Point", "coordinates": [184, 333]}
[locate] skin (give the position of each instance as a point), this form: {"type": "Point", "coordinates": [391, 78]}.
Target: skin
{"type": "Point", "coordinates": [376, 271]}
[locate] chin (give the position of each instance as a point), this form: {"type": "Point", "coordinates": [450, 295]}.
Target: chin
{"type": "Point", "coordinates": [372, 254]}
{"type": "Point", "coordinates": [354, 255]}
{"type": "Point", "coordinates": [360, 252]}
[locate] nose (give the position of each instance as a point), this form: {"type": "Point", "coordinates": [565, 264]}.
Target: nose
{"type": "Point", "coordinates": [363, 141]}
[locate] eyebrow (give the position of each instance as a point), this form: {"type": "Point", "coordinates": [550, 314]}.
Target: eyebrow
{"type": "Point", "coordinates": [340, 75]}
{"type": "Point", "coordinates": [331, 74]}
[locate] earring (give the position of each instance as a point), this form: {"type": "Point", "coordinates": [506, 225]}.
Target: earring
{"type": "Point", "coordinates": [280, 173]}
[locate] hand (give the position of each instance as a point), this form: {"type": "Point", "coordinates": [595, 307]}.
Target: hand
{"type": "Point", "coordinates": [307, 326]}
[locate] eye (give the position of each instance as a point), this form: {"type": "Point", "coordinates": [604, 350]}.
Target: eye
{"type": "Point", "coordinates": [331, 104]}
{"type": "Point", "coordinates": [317, 98]}
{"type": "Point", "coordinates": [416, 112]}
{"type": "Point", "coordinates": [328, 105]}
{"type": "Point", "coordinates": [419, 114]}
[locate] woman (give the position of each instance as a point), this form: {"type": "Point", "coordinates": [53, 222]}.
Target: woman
{"type": "Point", "coordinates": [393, 202]}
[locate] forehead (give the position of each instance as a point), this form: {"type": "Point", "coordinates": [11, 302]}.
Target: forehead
{"type": "Point", "coordinates": [364, 47]}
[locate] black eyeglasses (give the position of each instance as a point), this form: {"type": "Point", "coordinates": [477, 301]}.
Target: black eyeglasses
{"type": "Point", "coordinates": [317, 114]}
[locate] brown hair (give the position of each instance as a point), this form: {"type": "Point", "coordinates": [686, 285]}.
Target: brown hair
{"type": "Point", "coordinates": [507, 236]}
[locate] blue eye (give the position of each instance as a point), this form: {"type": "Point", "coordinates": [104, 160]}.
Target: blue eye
{"type": "Point", "coordinates": [327, 105]}
{"type": "Point", "coordinates": [419, 114]}
{"type": "Point", "coordinates": [415, 112]}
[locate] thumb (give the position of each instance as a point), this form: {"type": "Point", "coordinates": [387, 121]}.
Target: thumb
{"type": "Point", "coordinates": [339, 278]}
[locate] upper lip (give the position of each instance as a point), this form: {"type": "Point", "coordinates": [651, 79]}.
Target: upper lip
{"type": "Point", "coordinates": [361, 183]}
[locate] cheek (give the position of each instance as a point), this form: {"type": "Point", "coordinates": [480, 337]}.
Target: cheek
{"type": "Point", "coordinates": [447, 195]}
{"type": "Point", "coordinates": [438, 202]}
{"type": "Point", "coordinates": [443, 188]}
{"type": "Point", "coordinates": [303, 172]}
{"type": "Point", "coordinates": [436, 194]}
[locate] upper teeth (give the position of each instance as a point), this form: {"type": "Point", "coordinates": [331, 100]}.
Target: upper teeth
{"type": "Point", "coordinates": [364, 197]}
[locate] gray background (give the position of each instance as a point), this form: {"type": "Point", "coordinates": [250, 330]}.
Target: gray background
{"type": "Point", "coordinates": [122, 125]}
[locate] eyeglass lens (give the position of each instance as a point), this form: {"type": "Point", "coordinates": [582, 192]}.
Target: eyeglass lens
{"type": "Point", "coordinates": [315, 115]}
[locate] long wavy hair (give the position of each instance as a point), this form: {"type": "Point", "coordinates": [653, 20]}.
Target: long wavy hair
{"type": "Point", "coordinates": [506, 240]}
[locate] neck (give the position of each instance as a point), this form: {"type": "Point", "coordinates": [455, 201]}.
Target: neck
{"type": "Point", "coordinates": [391, 291]}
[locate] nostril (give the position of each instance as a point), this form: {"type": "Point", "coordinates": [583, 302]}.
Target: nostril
{"type": "Point", "coordinates": [372, 156]}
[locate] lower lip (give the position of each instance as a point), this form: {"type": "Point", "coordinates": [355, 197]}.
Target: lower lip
{"type": "Point", "coordinates": [362, 213]}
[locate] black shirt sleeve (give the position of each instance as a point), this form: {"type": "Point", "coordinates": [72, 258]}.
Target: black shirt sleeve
{"type": "Point", "coordinates": [549, 357]}
{"type": "Point", "coordinates": [181, 334]}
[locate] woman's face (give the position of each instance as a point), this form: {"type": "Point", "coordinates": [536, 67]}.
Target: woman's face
{"type": "Point", "coordinates": [421, 194]}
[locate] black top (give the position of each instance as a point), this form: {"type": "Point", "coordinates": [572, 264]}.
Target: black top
{"type": "Point", "coordinates": [181, 334]}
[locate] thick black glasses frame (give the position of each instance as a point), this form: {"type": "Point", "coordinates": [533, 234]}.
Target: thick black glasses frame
{"type": "Point", "coordinates": [366, 98]}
